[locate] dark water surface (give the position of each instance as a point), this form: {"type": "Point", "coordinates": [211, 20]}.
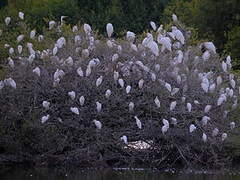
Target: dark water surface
{"type": "Point", "coordinates": [50, 174]}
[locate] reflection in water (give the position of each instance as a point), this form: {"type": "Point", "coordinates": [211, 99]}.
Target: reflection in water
{"type": "Point", "coordinates": [49, 174]}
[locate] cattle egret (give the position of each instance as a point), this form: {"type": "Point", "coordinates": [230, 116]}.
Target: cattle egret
{"type": "Point", "coordinates": [121, 82]}
{"type": "Point", "coordinates": [204, 137]}
{"type": "Point", "coordinates": [55, 50]}
{"type": "Point", "coordinates": [173, 105]}
{"type": "Point", "coordinates": [153, 25]}
{"type": "Point", "coordinates": [20, 48]}
{"type": "Point", "coordinates": [82, 100]}
{"type": "Point", "coordinates": [205, 120]}
{"type": "Point", "coordinates": [21, 15]}
{"type": "Point", "coordinates": [80, 72]}
{"type": "Point", "coordinates": [99, 106]}
{"type": "Point", "coordinates": [128, 89]}
{"type": "Point", "coordinates": [124, 139]}
{"type": "Point", "coordinates": [165, 122]}
{"type": "Point", "coordinates": [10, 62]}
{"type": "Point", "coordinates": [215, 132]}
{"type": "Point", "coordinates": [153, 77]}
{"type": "Point", "coordinates": [224, 136]}
{"type": "Point", "coordinates": [174, 121]}
{"type": "Point", "coordinates": [189, 107]}
{"type": "Point", "coordinates": [98, 124]}
{"type": "Point", "coordinates": [46, 104]}
{"type": "Point", "coordinates": [192, 128]}
{"type": "Point", "coordinates": [140, 83]}
{"type": "Point", "coordinates": [7, 20]}
{"type": "Point", "coordinates": [75, 110]}
{"type": "Point", "coordinates": [10, 82]}
{"type": "Point", "coordinates": [130, 36]}
{"type": "Point", "coordinates": [232, 125]}
{"type": "Point", "coordinates": [138, 122]}
{"type": "Point", "coordinates": [224, 66]}
{"type": "Point", "coordinates": [115, 57]}
{"type": "Point", "coordinates": [131, 106]}
{"type": "Point", "coordinates": [115, 75]}
{"type": "Point", "coordinates": [168, 87]}
{"type": "Point", "coordinates": [72, 95]}
{"type": "Point", "coordinates": [210, 46]}
{"type": "Point", "coordinates": [233, 83]}
{"type": "Point", "coordinates": [40, 38]}
{"type": "Point", "coordinates": [37, 71]}
{"type": "Point", "coordinates": [165, 42]}
{"type": "Point", "coordinates": [212, 87]}
{"type": "Point", "coordinates": [32, 34]}
{"type": "Point", "coordinates": [20, 38]}
{"type": "Point", "coordinates": [88, 71]}
{"type": "Point", "coordinates": [207, 108]}
{"type": "Point", "coordinates": [157, 102]}
{"type": "Point", "coordinates": [109, 29]}
{"type": "Point", "coordinates": [178, 35]}
{"type": "Point", "coordinates": [165, 129]}
{"type": "Point", "coordinates": [11, 51]}
{"type": "Point", "coordinates": [196, 102]}
{"type": "Point", "coordinates": [51, 24]}
{"type": "Point", "coordinates": [108, 93]}
{"type": "Point", "coordinates": [174, 17]}
{"type": "Point", "coordinates": [87, 28]}
{"type": "Point", "coordinates": [45, 118]}
{"type": "Point", "coordinates": [157, 67]}
{"type": "Point", "coordinates": [99, 81]}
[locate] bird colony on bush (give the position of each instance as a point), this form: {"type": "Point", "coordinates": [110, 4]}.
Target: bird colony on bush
{"type": "Point", "coordinates": [159, 101]}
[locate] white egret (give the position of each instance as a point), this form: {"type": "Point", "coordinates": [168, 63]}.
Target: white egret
{"type": "Point", "coordinates": [20, 38]}
{"type": "Point", "coordinates": [99, 81]}
{"type": "Point", "coordinates": [128, 89]}
{"type": "Point", "coordinates": [131, 106]}
{"type": "Point", "coordinates": [178, 34]}
{"type": "Point", "coordinates": [157, 102]}
{"type": "Point", "coordinates": [98, 124]}
{"type": "Point", "coordinates": [174, 121]}
{"type": "Point", "coordinates": [45, 118]}
{"type": "Point", "coordinates": [174, 18]}
{"type": "Point", "coordinates": [75, 110]}
{"type": "Point", "coordinates": [20, 49]}
{"type": "Point", "coordinates": [224, 66]}
{"type": "Point", "coordinates": [189, 107]}
{"type": "Point", "coordinates": [72, 95]}
{"type": "Point", "coordinates": [75, 29]}
{"type": "Point", "coordinates": [192, 128]}
{"type": "Point", "coordinates": [124, 139]}
{"type": "Point", "coordinates": [140, 83]}
{"type": "Point", "coordinates": [206, 55]}
{"type": "Point", "coordinates": [121, 82]}
{"type": "Point", "coordinates": [109, 29]}
{"type": "Point", "coordinates": [174, 91]}
{"type": "Point", "coordinates": [168, 87]}
{"type": "Point", "coordinates": [153, 77]}
{"type": "Point", "coordinates": [51, 24]}
{"type": "Point", "coordinates": [10, 82]}
{"type": "Point", "coordinates": [7, 20]}
{"type": "Point", "coordinates": [11, 51]}
{"type": "Point", "coordinates": [165, 42]}
{"type": "Point", "coordinates": [55, 51]}
{"type": "Point", "coordinates": [108, 93]}
{"type": "Point", "coordinates": [173, 105]}
{"type": "Point", "coordinates": [204, 137]}
{"type": "Point", "coordinates": [138, 122]}
{"type": "Point", "coordinates": [210, 46]}
{"type": "Point", "coordinates": [165, 129]}
{"type": "Point", "coordinates": [115, 75]}
{"type": "Point", "coordinates": [80, 72]}
{"type": "Point", "coordinates": [215, 132]}
{"type": "Point", "coordinates": [207, 108]}
{"type": "Point", "coordinates": [10, 62]}
{"type": "Point", "coordinates": [224, 136]}
{"type": "Point", "coordinates": [153, 25]}
{"type": "Point", "coordinates": [205, 120]}
{"type": "Point", "coordinates": [99, 106]}
{"type": "Point", "coordinates": [32, 34]}
{"type": "Point", "coordinates": [233, 83]}
{"type": "Point", "coordinates": [205, 84]}
{"type": "Point", "coordinates": [196, 102]}
{"type": "Point", "coordinates": [130, 36]}
{"type": "Point", "coordinates": [232, 125]}
{"type": "Point", "coordinates": [115, 57]}
{"type": "Point", "coordinates": [40, 38]}
{"type": "Point", "coordinates": [37, 71]}
{"type": "Point", "coordinates": [21, 15]}
{"type": "Point", "coordinates": [88, 71]}
{"type": "Point", "coordinates": [46, 104]}
{"type": "Point", "coordinates": [82, 100]}
{"type": "Point", "coordinates": [87, 28]}
{"type": "Point", "coordinates": [85, 53]}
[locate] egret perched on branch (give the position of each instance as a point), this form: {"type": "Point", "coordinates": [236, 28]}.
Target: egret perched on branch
{"type": "Point", "coordinates": [21, 15]}
{"type": "Point", "coordinates": [55, 51]}
{"type": "Point", "coordinates": [10, 62]}
{"type": "Point", "coordinates": [192, 128]}
{"type": "Point", "coordinates": [7, 20]}
{"type": "Point", "coordinates": [124, 139]}
{"type": "Point", "coordinates": [178, 34]}
{"type": "Point", "coordinates": [20, 49]}
{"type": "Point", "coordinates": [99, 106]}
{"type": "Point", "coordinates": [51, 24]}
{"type": "Point", "coordinates": [10, 82]}
{"type": "Point", "coordinates": [174, 17]}
{"type": "Point", "coordinates": [99, 81]}
{"type": "Point", "coordinates": [87, 28]}
{"type": "Point", "coordinates": [157, 102]}
{"type": "Point", "coordinates": [45, 118]}
{"type": "Point", "coordinates": [37, 71]}
{"type": "Point", "coordinates": [210, 46]}
{"type": "Point", "coordinates": [205, 120]}
{"type": "Point", "coordinates": [153, 25]}
{"type": "Point", "coordinates": [130, 36]}
{"type": "Point", "coordinates": [98, 124]}
{"type": "Point", "coordinates": [121, 82]}
{"type": "Point", "coordinates": [173, 105]}
{"type": "Point", "coordinates": [32, 34]}
{"type": "Point", "coordinates": [20, 38]}
{"type": "Point", "coordinates": [109, 29]}
{"type": "Point", "coordinates": [224, 66]}
{"type": "Point", "coordinates": [108, 93]}
{"type": "Point", "coordinates": [189, 107]}
{"type": "Point", "coordinates": [75, 110]}
{"type": "Point", "coordinates": [128, 89]}
{"type": "Point", "coordinates": [168, 87]}
{"type": "Point", "coordinates": [204, 137]}
{"type": "Point", "coordinates": [138, 122]}
{"type": "Point", "coordinates": [165, 42]}
{"type": "Point", "coordinates": [82, 100]}
{"type": "Point", "coordinates": [207, 108]}
{"type": "Point", "coordinates": [174, 121]}
{"type": "Point", "coordinates": [224, 136]}
{"type": "Point", "coordinates": [232, 125]}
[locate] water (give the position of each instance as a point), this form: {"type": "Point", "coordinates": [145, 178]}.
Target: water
{"type": "Point", "coordinates": [50, 174]}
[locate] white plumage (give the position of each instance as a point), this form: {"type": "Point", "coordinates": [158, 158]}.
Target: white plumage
{"type": "Point", "coordinates": [233, 83]}
{"type": "Point", "coordinates": [99, 106]}
{"type": "Point", "coordinates": [80, 72]}
{"type": "Point", "coordinates": [20, 38]}
{"type": "Point", "coordinates": [224, 66]}
{"type": "Point", "coordinates": [205, 120]}
{"type": "Point", "coordinates": [130, 36]}
{"type": "Point", "coordinates": [204, 137]}
{"type": "Point", "coordinates": [87, 28]}
{"type": "Point", "coordinates": [196, 102]}
{"type": "Point", "coordinates": [153, 25]}
{"type": "Point", "coordinates": [138, 122]}
{"type": "Point", "coordinates": [168, 87]}
{"type": "Point", "coordinates": [157, 102]}
{"type": "Point", "coordinates": [173, 105]}
{"type": "Point", "coordinates": [98, 124]}
{"type": "Point", "coordinates": [10, 82]}
{"type": "Point", "coordinates": [165, 42]}
{"type": "Point", "coordinates": [192, 128]}
{"type": "Point", "coordinates": [224, 136]}
{"type": "Point", "coordinates": [46, 104]}
{"type": "Point", "coordinates": [72, 95]}
{"type": "Point", "coordinates": [88, 71]}
{"type": "Point", "coordinates": [131, 106]}
{"type": "Point", "coordinates": [21, 15]}
{"type": "Point", "coordinates": [124, 139]}
{"type": "Point", "coordinates": [10, 62]}
{"type": "Point", "coordinates": [82, 100]}
{"type": "Point", "coordinates": [165, 122]}
{"type": "Point", "coordinates": [140, 83]}
{"type": "Point", "coordinates": [174, 121]}
{"type": "Point", "coordinates": [174, 17]}
{"type": "Point", "coordinates": [7, 20]}
{"type": "Point", "coordinates": [165, 129]}
{"type": "Point", "coordinates": [206, 55]}
{"type": "Point", "coordinates": [75, 110]}
{"type": "Point", "coordinates": [108, 93]}
{"type": "Point", "coordinates": [189, 107]}
{"type": "Point", "coordinates": [20, 49]}
{"type": "Point", "coordinates": [121, 82]}
{"type": "Point", "coordinates": [109, 29]}
{"type": "Point", "coordinates": [219, 80]}
{"type": "Point", "coordinates": [178, 35]}
{"type": "Point", "coordinates": [115, 75]}
{"type": "Point", "coordinates": [215, 132]}
{"type": "Point", "coordinates": [232, 125]}
{"type": "Point", "coordinates": [32, 34]}
{"type": "Point", "coordinates": [51, 24]}
{"type": "Point", "coordinates": [207, 108]}
{"type": "Point", "coordinates": [210, 46]}
{"type": "Point", "coordinates": [45, 118]}
{"type": "Point", "coordinates": [99, 81]}
{"type": "Point", "coordinates": [37, 71]}
{"type": "Point", "coordinates": [55, 51]}
{"type": "Point", "coordinates": [128, 89]}
{"type": "Point", "coordinates": [205, 84]}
